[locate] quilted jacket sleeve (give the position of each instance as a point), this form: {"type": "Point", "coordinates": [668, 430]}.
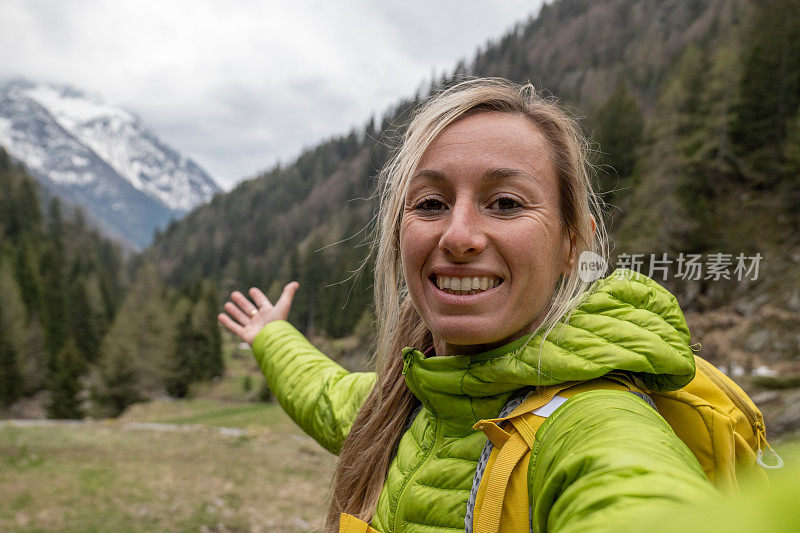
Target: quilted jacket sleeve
{"type": "Point", "coordinates": [606, 457]}
{"type": "Point", "coordinates": [318, 394]}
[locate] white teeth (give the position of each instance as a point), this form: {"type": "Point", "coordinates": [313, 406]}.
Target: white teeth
{"type": "Point", "coordinates": [472, 285]}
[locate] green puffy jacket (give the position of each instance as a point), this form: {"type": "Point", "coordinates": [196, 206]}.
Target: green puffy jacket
{"type": "Point", "coordinates": [602, 457]}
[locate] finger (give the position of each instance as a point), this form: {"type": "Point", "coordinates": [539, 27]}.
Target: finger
{"type": "Point", "coordinates": [237, 313]}
{"type": "Point", "coordinates": [259, 298]}
{"type": "Point", "coordinates": [243, 303]}
{"type": "Point", "coordinates": [229, 324]}
{"type": "Point", "coordinates": [284, 303]}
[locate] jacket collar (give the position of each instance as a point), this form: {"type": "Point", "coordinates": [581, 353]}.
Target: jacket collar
{"type": "Point", "coordinates": [625, 322]}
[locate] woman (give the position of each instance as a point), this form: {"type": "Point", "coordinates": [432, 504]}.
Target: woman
{"type": "Point", "coordinates": [484, 212]}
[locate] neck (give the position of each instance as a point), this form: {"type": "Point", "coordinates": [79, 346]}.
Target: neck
{"type": "Point", "coordinates": [443, 347]}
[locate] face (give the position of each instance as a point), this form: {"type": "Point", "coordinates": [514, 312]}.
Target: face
{"type": "Point", "coordinates": [481, 238]}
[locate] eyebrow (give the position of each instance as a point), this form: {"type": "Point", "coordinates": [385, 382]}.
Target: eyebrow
{"type": "Point", "coordinates": [493, 174]}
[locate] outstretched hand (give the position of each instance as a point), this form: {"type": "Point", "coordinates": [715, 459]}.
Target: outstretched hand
{"type": "Point", "coordinates": [246, 318]}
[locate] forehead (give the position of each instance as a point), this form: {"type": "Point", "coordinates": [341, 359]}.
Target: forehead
{"type": "Point", "coordinates": [490, 139]}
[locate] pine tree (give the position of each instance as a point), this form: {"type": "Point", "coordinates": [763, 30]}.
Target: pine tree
{"type": "Point", "coordinates": [29, 278]}
{"type": "Point", "coordinates": [119, 383]}
{"type": "Point", "coordinates": [618, 131]}
{"type": "Point", "coordinates": [214, 364]}
{"type": "Point", "coordinates": [143, 330]}
{"type": "Point", "coordinates": [710, 166]}
{"type": "Point", "coordinates": [182, 368]}
{"type": "Point", "coordinates": [770, 88]}
{"type": "Point", "coordinates": [314, 271]}
{"type": "Point", "coordinates": [27, 204]}
{"type": "Point", "coordinates": [10, 376]}
{"type": "Point", "coordinates": [34, 358]}
{"type": "Point", "coordinates": [52, 262]}
{"type": "Point", "coordinates": [83, 321]}
{"type": "Point", "coordinates": [12, 335]}
{"type": "Point", "coordinates": [65, 384]}
{"type": "Point", "coordinates": [5, 161]}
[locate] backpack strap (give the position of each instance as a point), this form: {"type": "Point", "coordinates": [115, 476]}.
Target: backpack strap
{"type": "Point", "coordinates": [534, 400]}
{"type": "Point", "coordinates": [500, 488]}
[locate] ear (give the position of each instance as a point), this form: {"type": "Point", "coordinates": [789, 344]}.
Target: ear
{"type": "Point", "coordinates": [573, 242]}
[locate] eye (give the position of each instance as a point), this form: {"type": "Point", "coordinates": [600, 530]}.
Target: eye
{"type": "Point", "coordinates": [505, 203]}
{"type": "Point", "coordinates": [430, 205]}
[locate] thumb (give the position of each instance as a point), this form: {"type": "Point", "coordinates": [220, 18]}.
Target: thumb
{"type": "Point", "coordinates": [284, 303]}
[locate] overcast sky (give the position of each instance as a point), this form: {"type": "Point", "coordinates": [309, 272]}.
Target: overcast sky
{"type": "Point", "coordinates": [240, 85]}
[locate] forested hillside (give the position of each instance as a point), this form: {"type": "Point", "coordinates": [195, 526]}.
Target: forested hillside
{"type": "Point", "coordinates": [75, 330]}
{"type": "Point", "coordinates": [694, 109]}
{"type": "Point", "coordinates": [693, 106]}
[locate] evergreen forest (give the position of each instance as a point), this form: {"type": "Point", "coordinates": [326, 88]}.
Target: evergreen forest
{"type": "Point", "coordinates": [80, 326]}
{"type": "Point", "coordinates": [693, 108]}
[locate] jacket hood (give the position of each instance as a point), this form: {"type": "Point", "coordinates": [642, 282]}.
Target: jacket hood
{"type": "Point", "coordinates": [625, 322]}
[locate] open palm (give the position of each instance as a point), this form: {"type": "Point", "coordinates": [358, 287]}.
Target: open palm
{"type": "Point", "coordinates": [247, 318]}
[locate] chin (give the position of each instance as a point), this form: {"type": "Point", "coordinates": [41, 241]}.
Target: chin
{"type": "Point", "coordinates": [472, 335]}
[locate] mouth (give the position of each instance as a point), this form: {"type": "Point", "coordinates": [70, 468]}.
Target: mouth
{"type": "Point", "coordinates": [464, 285]}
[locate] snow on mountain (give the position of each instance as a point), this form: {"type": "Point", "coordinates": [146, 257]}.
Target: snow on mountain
{"type": "Point", "coordinates": [99, 156]}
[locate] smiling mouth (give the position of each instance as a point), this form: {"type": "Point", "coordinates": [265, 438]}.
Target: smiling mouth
{"type": "Point", "coordinates": [465, 285]}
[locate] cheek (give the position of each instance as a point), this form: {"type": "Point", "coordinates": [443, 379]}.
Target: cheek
{"type": "Point", "coordinates": [413, 248]}
{"type": "Point", "coordinates": [534, 252]}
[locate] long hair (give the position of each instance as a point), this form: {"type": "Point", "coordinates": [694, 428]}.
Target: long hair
{"type": "Point", "coordinates": [370, 446]}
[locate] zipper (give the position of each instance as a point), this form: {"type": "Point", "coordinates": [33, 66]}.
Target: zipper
{"type": "Point", "coordinates": [752, 416]}
{"type": "Point", "coordinates": [413, 474]}
{"type": "Point", "coordinates": [734, 395]}
{"type": "Point", "coordinates": [436, 429]}
{"type": "Point", "coordinates": [408, 355]}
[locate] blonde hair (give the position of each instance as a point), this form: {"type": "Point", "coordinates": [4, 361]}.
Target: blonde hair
{"type": "Point", "coordinates": [370, 446]}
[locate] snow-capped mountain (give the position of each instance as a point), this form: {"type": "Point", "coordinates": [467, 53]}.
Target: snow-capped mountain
{"type": "Point", "coordinates": [100, 157]}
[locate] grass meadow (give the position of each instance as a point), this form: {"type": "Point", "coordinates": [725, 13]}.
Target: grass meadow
{"type": "Point", "coordinates": [216, 462]}
{"type": "Point", "coordinates": [195, 475]}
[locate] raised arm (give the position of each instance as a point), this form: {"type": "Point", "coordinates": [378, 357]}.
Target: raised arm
{"type": "Point", "coordinates": [321, 396]}
{"type": "Point", "coordinates": [604, 458]}
{"type": "Point", "coordinates": [318, 394]}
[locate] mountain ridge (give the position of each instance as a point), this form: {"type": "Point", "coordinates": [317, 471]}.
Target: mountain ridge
{"type": "Point", "coordinates": [101, 157]}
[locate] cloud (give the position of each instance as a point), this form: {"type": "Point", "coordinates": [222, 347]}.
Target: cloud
{"type": "Point", "coordinates": [240, 85]}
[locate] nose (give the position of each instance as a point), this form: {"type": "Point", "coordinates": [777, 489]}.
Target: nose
{"type": "Point", "coordinates": [463, 235]}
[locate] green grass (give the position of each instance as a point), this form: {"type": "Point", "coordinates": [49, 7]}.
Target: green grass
{"type": "Point", "coordinates": [109, 476]}
{"type": "Point", "coordinates": [212, 413]}
{"type": "Point", "coordinates": [102, 476]}
{"type": "Point", "coordinates": [115, 475]}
